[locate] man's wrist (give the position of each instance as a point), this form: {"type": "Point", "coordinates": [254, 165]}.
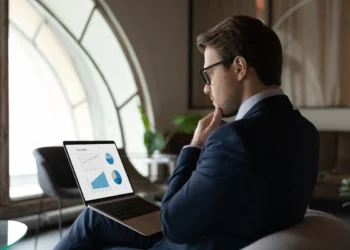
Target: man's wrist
{"type": "Point", "coordinates": [196, 144]}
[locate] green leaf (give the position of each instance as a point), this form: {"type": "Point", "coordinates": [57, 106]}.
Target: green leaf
{"type": "Point", "coordinates": [344, 194]}
{"type": "Point", "coordinates": [158, 142]}
{"type": "Point", "coordinates": [187, 123]}
{"type": "Point", "coordinates": [153, 141]}
{"type": "Point", "coordinates": [144, 118]}
{"type": "Point", "coordinates": [147, 140]}
{"type": "Point", "coordinates": [345, 182]}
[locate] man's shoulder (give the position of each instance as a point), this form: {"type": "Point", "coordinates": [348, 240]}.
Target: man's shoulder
{"type": "Point", "coordinates": [262, 124]}
{"type": "Point", "coordinates": [227, 132]}
{"type": "Point", "coordinates": [233, 129]}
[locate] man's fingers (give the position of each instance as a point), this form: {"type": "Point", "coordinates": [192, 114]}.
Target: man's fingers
{"type": "Point", "coordinates": [206, 120]}
{"type": "Point", "coordinates": [209, 116]}
{"type": "Point", "coordinates": [216, 118]}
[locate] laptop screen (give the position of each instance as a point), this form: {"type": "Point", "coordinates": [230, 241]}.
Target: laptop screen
{"type": "Point", "coordinates": [99, 170]}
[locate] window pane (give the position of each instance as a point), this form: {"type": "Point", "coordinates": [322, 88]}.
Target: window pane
{"type": "Point", "coordinates": [133, 132]}
{"type": "Point", "coordinates": [24, 185]}
{"type": "Point", "coordinates": [104, 115]}
{"type": "Point", "coordinates": [73, 14]}
{"type": "Point", "coordinates": [103, 112]}
{"type": "Point", "coordinates": [105, 49]}
{"type": "Point", "coordinates": [83, 122]}
{"type": "Point", "coordinates": [133, 126]}
{"type": "Point", "coordinates": [39, 114]}
{"type": "Point", "coordinates": [48, 43]}
{"type": "Point", "coordinates": [24, 16]}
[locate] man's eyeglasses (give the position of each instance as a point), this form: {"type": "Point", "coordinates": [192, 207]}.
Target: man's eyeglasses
{"type": "Point", "coordinates": [204, 73]}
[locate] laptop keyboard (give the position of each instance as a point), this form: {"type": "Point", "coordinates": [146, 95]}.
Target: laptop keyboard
{"type": "Point", "coordinates": [129, 208]}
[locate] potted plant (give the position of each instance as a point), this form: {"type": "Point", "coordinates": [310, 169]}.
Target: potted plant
{"type": "Point", "coordinates": [185, 125]}
{"type": "Point", "coordinates": [155, 142]}
{"type": "Point", "coordinates": [344, 190]}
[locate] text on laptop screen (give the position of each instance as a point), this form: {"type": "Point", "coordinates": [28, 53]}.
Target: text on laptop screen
{"type": "Point", "coordinates": [99, 170]}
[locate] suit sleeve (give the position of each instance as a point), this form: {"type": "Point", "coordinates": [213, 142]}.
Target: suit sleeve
{"type": "Point", "coordinates": [198, 189]}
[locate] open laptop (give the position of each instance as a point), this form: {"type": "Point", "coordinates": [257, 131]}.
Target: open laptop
{"type": "Point", "coordinates": [106, 188]}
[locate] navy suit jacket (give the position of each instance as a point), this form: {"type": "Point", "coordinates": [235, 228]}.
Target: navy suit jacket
{"type": "Point", "coordinates": [253, 177]}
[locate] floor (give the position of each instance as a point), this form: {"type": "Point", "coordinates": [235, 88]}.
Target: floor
{"type": "Point", "coordinates": [49, 238]}
{"type": "Point", "coordinates": [46, 241]}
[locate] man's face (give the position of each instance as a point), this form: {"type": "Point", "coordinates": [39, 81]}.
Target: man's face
{"type": "Point", "coordinates": [225, 90]}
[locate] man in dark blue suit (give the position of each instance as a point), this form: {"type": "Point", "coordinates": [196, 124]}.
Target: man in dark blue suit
{"type": "Point", "coordinates": [236, 182]}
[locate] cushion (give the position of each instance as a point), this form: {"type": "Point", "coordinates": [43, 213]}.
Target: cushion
{"type": "Point", "coordinates": [318, 230]}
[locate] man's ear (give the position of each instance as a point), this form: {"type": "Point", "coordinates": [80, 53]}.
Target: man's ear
{"type": "Point", "coordinates": [240, 67]}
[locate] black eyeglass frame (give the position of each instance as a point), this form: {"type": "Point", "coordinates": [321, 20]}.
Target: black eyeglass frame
{"type": "Point", "coordinates": [206, 77]}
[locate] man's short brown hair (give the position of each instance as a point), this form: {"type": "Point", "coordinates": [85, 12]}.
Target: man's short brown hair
{"type": "Point", "coordinates": [247, 37]}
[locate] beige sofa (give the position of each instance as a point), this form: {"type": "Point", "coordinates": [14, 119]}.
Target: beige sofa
{"type": "Point", "coordinates": [318, 230]}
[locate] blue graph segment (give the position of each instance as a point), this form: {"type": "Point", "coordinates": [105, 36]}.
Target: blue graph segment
{"type": "Point", "coordinates": [100, 182]}
{"type": "Point", "coordinates": [109, 158]}
{"type": "Point", "coordinates": [116, 177]}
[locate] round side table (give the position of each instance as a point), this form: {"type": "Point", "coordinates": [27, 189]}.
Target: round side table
{"type": "Point", "coordinates": [11, 232]}
{"type": "Point", "coordinates": [155, 161]}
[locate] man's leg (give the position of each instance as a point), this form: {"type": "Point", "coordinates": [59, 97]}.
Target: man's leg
{"type": "Point", "coordinates": [92, 230]}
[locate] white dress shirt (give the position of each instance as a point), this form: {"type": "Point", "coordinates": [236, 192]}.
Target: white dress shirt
{"type": "Point", "coordinates": [251, 101]}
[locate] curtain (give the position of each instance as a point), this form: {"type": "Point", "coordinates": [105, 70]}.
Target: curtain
{"type": "Point", "coordinates": [316, 43]}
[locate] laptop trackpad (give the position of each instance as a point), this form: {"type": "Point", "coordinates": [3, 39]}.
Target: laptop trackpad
{"type": "Point", "coordinates": [146, 224]}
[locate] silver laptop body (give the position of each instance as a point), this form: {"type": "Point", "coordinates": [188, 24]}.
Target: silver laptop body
{"type": "Point", "coordinates": [102, 180]}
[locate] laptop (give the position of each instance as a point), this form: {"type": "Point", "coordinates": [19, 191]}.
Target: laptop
{"type": "Point", "coordinates": [106, 188]}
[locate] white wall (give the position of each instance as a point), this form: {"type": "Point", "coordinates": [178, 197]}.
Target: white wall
{"type": "Point", "coordinates": [158, 33]}
{"type": "Point", "coordinates": [329, 119]}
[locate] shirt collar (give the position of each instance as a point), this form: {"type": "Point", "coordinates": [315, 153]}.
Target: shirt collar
{"type": "Point", "coordinates": [251, 101]}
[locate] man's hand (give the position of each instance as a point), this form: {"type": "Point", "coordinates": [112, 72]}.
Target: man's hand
{"type": "Point", "coordinates": [206, 126]}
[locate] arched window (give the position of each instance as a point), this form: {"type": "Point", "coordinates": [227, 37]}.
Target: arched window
{"type": "Point", "coordinates": [69, 79]}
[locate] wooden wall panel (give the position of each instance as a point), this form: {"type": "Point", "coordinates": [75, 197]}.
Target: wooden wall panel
{"type": "Point", "coordinates": [4, 116]}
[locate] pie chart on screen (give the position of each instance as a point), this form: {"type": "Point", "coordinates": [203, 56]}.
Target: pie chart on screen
{"type": "Point", "coordinates": [116, 177]}
{"type": "Point", "coordinates": [109, 158]}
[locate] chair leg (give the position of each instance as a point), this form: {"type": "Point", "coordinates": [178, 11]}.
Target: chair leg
{"type": "Point", "coordinates": [60, 218]}
{"type": "Point", "coordinates": [38, 223]}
